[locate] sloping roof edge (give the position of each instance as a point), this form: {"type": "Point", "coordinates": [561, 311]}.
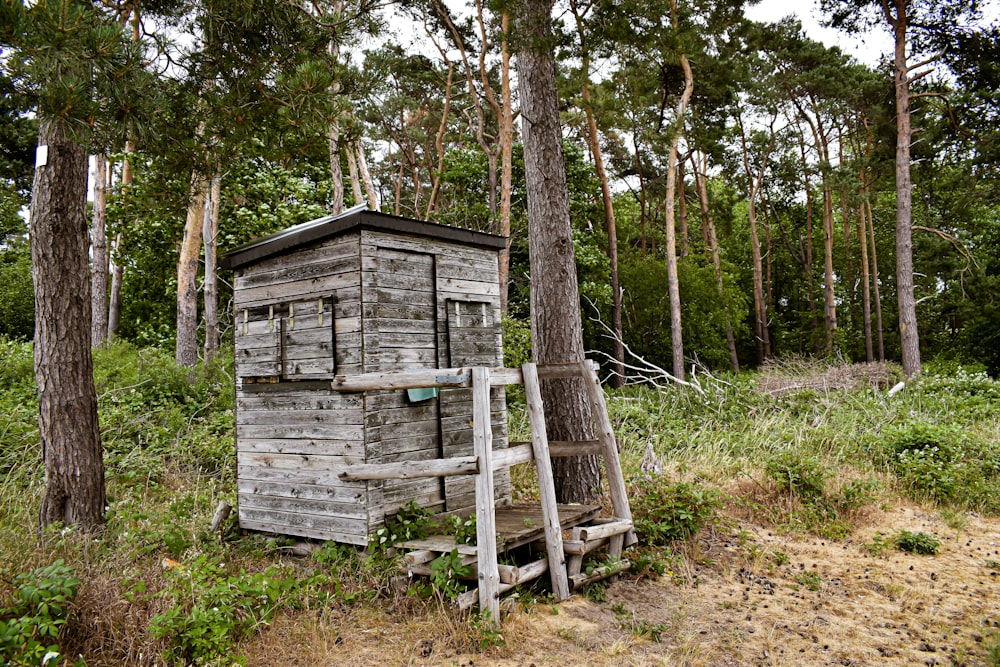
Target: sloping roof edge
{"type": "Point", "coordinates": [354, 218]}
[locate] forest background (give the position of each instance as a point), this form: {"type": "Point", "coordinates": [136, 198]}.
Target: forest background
{"type": "Point", "coordinates": [743, 162]}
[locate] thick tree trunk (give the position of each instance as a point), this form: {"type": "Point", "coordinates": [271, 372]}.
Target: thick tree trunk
{"type": "Point", "coordinates": [556, 326]}
{"type": "Point", "coordinates": [210, 236]}
{"type": "Point", "coordinates": [909, 338]}
{"type": "Point", "coordinates": [99, 254]}
{"type": "Point", "coordinates": [187, 274]}
{"type": "Point", "coordinates": [67, 401]}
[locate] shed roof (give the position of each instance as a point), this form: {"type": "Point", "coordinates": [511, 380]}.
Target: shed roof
{"type": "Point", "coordinates": [355, 218]}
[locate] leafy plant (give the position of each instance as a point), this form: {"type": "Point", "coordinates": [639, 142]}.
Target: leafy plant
{"type": "Point", "coordinates": [810, 579]}
{"type": "Point", "coordinates": [29, 635]}
{"type": "Point", "coordinates": [798, 473]}
{"type": "Point", "coordinates": [212, 610]}
{"type": "Point", "coordinates": [411, 522]}
{"type": "Point", "coordinates": [917, 543]}
{"type": "Point", "coordinates": [446, 570]}
{"type": "Point", "coordinates": [464, 529]}
{"type": "Point", "coordinates": [663, 511]}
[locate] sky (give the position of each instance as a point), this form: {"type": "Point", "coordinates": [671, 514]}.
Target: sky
{"type": "Point", "coordinates": [867, 50]}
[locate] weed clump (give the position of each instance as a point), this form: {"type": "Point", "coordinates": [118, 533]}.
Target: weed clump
{"type": "Point", "coordinates": [29, 628]}
{"type": "Point", "coordinates": [917, 543]}
{"type": "Point", "coordinates": [664, 511]}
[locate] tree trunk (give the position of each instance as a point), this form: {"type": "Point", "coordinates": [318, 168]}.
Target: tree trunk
{"type": "Point", "coordinates": [673, 284]}
{"type": "Point", "coordinates": [875, 287]}
{"type": "Point", "coordinates": [866, 295]}
{"type": "Point", "coordinates": [67, 401]}
{"type": "Point", "coordinates": [829, 298]}
{"type": "Point", "coordinates": [759, 302]}
{"type": "Point", "coordinates": [336, 173]}
{"type": "Point", "coordinates": [352, 172]}
{"type": "Point", "coordinates": [187, 275]}
{"type": "Point", "coordinates": [682, 209]}
{"type": "Point", "coordinates": [117, 269]}
{"type": "Point", "coordinates": [366, 179]}
{"type": "Point", "coordinates": [556, 325]}
{"type": "Point", "coordinates": [712, 249]}
{"type": "Point", "coordinates": [99, 253]}
{"type": "Point", "coordinates": [807, 266]}
{"type": "Point", "coordinates": [909, 338]}
{"type": "Point", "coordinates": [506, 160]}
{"type": "Point", "coordinates": [211, 286]}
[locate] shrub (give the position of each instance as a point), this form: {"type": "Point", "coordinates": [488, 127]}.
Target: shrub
{"type": "Point", "coordinates": [30, 632]}
{"type": "Point", "coordinates": [664, 511]}
{"type": "Point", "coordinates": [917, 543]}
{"type": "Point", "coordinates": [798, 473]}
{"type": "Point", "coordinates": [212, 610]}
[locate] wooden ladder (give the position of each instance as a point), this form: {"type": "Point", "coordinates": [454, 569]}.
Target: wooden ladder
{"type": "Point", "coordinates": [616, 532]}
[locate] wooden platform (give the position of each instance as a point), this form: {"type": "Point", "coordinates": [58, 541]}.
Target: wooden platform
{"type": "Point", "coordinates": [517, 525]}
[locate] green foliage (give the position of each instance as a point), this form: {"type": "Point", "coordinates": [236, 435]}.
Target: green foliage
{"type": "Point", "coordinates": [29, 628]}
{"type": "Point", "coordinates": [411, 522]}
{"type": "Point", "coordinates": [798, 473]}
{"type": "Point", "coordinates": [17, 296]}
{"type": "Point", "coordinates": [446, 570]}
{"type": "Point", "coordinates": [664, 511]}
{"type": "Point", "coordinates": [916, 543]}
{"type": "Point", "coordinates": [465, 530]}
{"type": "Point", "coordinates": [211, 609]}
{"type": "Point", "coordinates": [810, 579]}
{"type": "Point", "coordinates": [879, 545]}
{"type": "Point", "coordinates": [931, 461]}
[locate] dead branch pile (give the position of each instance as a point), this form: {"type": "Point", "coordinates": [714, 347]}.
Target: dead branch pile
{"type": "Point", "coordinates": [801, 374]}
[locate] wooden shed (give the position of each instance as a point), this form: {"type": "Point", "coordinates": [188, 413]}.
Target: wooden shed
{"type": "Point", "coordinates": [358, 293]}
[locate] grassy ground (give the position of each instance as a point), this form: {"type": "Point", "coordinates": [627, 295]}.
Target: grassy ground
{"type": "Point", "coordinates": [770, 536]}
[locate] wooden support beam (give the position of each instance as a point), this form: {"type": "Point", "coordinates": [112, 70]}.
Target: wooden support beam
{"type": "Point", "coordinates": [546, 483]}
{"type": "Point", "coordinates": [606, 436]}
{"type": "Point", "coordinates": [524, 574]}
{"type": "Point", "coordinates": [409, 379]}
{"type": "Point", "coordinates": [575, 562]}
{"type": "Point", "coordinates": [582, 548]}
{"type": "Point", "coordinates": [420, 557]}
{"type": "Point", "coordinates": [519, 452]}
{"type": "Point", "coordinates": [599, 573]}
{"type": "Point", "coordinates": [588, 533]}
{"type": "Point", "coordinates": [482, 438]}
{"type": "Point", "coordinates": [459, 465]}
{"type": "Point", "coordinates": [570, 448]}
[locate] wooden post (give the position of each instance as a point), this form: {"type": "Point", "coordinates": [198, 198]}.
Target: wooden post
{"type": "Point", "coordinates": [486, 540]}
{"type": "Point", "coordinates": [546, 483]}
{"type": "Point", "coordinates": [606, 436]}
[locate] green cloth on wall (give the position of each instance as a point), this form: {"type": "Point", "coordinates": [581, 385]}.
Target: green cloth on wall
{"type": "Point", "coordinates": [421, 394]}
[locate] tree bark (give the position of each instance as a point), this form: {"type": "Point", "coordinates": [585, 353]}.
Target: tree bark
{"type": "Point", "coordinates": [556, 325]}
{"type": "Point", "coordinates": [506, 160]}
{"type": "Point", "coordinates": [760, 303]}
{"type": "Point", "coordinates": [712, 249]}
{"type": "Point", "coordinates": [866, 295]}
{"type": "Point", "coordinates": [909, 338]}
{"type": "Point", "coordinates": [99, 253]}
{"type": "Point", "coordinates": [673, 284]}
{"type": "Point", "coordinates": [187, 274]}
{"type": "Point", "coordinates": [875, 287]}
{"type": "Point", "coordinates": [117, 269]}
{"type": "Point", "coordinates": [67, 401]}
{"type": "Point", "coordinates": [210, 289]}
{"type": "Point", "coordinates": [366, 179]}
{"type": "Point", "coordinates": [352, 172]}
{"type": "Point", "coordinates": [336, 173]}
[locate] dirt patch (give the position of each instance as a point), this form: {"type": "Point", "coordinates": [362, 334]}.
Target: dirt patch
{"type": "Point", "coordinates": [750, 597]}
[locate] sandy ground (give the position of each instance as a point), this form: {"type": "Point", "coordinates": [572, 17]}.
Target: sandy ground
{"type": "Point", "coordinates": [752, 597]}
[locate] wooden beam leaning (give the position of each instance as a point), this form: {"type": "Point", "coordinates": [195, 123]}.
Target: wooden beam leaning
{"type": "Point", "coordinates": [459, 465]}
{"type": "Point", "coordinates": [612, 464]}
{"type": "Point", "coordinates": [546, 483]}
{"type": "Point", "coordinates": [486, 540]}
